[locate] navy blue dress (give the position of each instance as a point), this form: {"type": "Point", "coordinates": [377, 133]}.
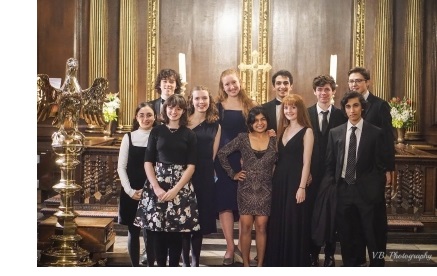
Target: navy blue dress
{"type": "Point", "coordinates": [232, 123]}
{"type": "Point", "coordinates": [203, 177]}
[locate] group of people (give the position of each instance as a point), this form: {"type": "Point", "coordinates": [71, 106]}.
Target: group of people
{"type": "Point", "coordinates": [297, 175]}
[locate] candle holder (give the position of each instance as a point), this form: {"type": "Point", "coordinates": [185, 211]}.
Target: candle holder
{"type": "Point", "coordinates": [67, 144]}
{"type": "Point", "coordinates": [183, 88]}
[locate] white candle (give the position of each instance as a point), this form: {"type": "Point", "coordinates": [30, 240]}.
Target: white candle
{"type": "Point", "coordinates": [333, 67]}
{"type": "Point", "coordinates": [182, 67]}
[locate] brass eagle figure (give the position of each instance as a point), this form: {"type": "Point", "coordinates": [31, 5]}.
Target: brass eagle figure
{"type": "Point", "coordinates": [70, 102]}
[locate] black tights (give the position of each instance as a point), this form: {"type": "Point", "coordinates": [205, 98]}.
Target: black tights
{"type": "Point", "coordinates": [133, 244]}
{"type": "Point", "coordinates": [167, 243]}
{"type": "Point", "coordinates": [149, 241]}
{"type": "Point", "coordinates": [191, 241]}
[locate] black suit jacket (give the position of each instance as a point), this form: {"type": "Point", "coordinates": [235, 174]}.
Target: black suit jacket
{"type": "Point", "coordinates": [270, 108]}
{"type": "Point", "coordinates": [378, 114]}
{"type": "Point", "coordinates": [370, 166]}
{"type": "Point", "coordinates": [336, 118]}
{"type": "Point", "coordinates": [157, 109]}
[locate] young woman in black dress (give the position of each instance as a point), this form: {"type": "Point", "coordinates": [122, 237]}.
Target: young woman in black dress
{"type": "Point", "coordinates": [132, 175]}
{"type": "Point", "coordinates": [203, 120]}
{"type": "Point", "coordinates": [168, 206]}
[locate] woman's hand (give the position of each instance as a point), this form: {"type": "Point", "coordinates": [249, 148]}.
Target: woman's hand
{"type": "Point", "coordinates": [170, 194]}
{"type": "Point", "coordinates": [159, 192]}
{"type": "Point", "coordinates": [240, 176]}
{"type": "Point", "coordinates": [137, 194]}
{"type": "Point", "coordinates": [271, 132]}
{"type": "Point", "coordinates": [300, 195]}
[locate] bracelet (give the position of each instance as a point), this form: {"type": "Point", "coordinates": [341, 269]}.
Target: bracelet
{"type": "Point", "coordinates": [302, 188]}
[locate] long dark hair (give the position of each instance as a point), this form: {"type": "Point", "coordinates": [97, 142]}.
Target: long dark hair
{"type": "Point", "coordinates": [175, 100]}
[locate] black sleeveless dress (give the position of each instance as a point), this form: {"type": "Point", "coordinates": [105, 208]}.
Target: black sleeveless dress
{"type": "Point", "coordinates": [127, 208]}
{"type": "Point", "coordinates": [288, 231]}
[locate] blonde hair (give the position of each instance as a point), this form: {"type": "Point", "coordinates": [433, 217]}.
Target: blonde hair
{"type": "Point", "coordinates": [242, 95]}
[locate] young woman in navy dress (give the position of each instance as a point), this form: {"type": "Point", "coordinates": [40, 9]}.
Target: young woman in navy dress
{"type": "Point", "coordinates": [203, 120]}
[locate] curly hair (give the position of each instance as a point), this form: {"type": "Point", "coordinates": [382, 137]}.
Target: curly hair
{"type": "Point", "coordinates": [167, 74]}
{"type": "Point", "coordinates": [175, 100]}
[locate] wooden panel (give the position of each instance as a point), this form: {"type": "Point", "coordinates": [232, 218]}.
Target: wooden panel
{"type": "Point", "coordinates": [207, 31]}
{"type": "Point", "coordinates": [55, 36]}
{"type": "Point", "coordinates": [303, 36]}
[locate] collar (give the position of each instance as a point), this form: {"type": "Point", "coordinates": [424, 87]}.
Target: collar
{"type": "Point", "coordinates": [320, 109]}
{"type": "Point", "coordinates": [359, 125]}
{"type": "Point", "coordinates": [366, 95]}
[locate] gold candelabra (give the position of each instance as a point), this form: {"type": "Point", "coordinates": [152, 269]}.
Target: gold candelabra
{"type": "Point", "coordinates": [67, 144]}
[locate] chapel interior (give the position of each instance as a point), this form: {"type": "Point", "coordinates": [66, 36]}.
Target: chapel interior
{"type": "Point", "coordinates": [127, 42]}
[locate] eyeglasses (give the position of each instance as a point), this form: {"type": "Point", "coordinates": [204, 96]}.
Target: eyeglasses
{"type": "Point", "coordinates": [355, 81]}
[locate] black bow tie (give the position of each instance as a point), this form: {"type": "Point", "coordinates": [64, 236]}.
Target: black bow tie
{"type": "Point", "coordinates": [278, 102]}
{"type": "Point", "coordinates": [162, 100]}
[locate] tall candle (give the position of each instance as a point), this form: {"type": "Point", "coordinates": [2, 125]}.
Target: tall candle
{"type": "Point", "coordinates": [182, 67]}
{"type": "Point", "coordinates": [333, 67]}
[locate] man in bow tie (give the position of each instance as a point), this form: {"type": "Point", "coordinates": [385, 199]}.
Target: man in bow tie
{"type": "Point", "coordinates": [282, 85]}
{"type": "Point", "coordinates": [167, 83]}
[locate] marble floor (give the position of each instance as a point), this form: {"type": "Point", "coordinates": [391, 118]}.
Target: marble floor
{"type": "Point", "coordinates": [213, 250]}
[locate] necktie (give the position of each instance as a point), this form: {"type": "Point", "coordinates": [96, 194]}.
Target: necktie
{"type": "Point", "coordinates": [278, 102]}
{"type": "Point", "coordinates": [351, 158]}
{"type": "Point", "coordinates": [325, 121]}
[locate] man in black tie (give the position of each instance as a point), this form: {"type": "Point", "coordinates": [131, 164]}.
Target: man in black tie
{"type": "Point", "coordinates": [167, 83]}
{"type": "Point", "coordinates": [324, 116]}
{"type": "Point", "coordinates": [282, 82]}
{"type": "Point", "coordinates": [355, 165]}
{"type": "Point", "coordinates": [378, 114]}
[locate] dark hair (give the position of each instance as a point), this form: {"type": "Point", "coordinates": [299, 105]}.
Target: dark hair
{"type": "Point", "coordinates": [253, 113]}
{"type": "Point", "coordinates": [172, 101]}
{"type": "Point", "coordinates": [135, 124]}
{"type": "Point", "coordinates": [284, 73]}
{"type": "Point", "coordinates": [323, 80]}
{"type": "Point", "coordinates": [351, 95]}
{"type": "Point", "coordinates": [166, 74]}
{"type": "Point", "coordinates": [360, 70]}
{"type": "Point", "coordinates": [211, 115]}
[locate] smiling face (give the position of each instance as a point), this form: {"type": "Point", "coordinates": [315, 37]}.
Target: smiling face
{"type": "Point", "coordinates": [174, 113]}
{"type": "Point", "coordinates": [260, 123]}
{"type": "Point", "coordinates": [231, 85]}
{"type": "Point", "coordinates": [324, 94]}
{"type": "Point", "coordinates": [282, 86]}
{"type": "Point", "coordinates": [168, 86]}
{"type": "Point", "coordinates": [145, 117]}
{"type": "Point", "coordinates": [290, 112]}
{"type": "Point", "coordinates": [200, 100]}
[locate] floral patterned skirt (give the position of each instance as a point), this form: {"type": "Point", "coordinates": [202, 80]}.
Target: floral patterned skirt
{"type": "Point", "coordinates": [178, 215]}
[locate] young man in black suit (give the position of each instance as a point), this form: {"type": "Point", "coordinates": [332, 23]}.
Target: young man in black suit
{"type": "Point", "coordinates": [355, 164]}
{"type": "Point", "coordinates": [378, 114]}
{"type": "Point", "coordinates": [167, 83]}
{"type": "Point", "coordinates": [282, 82]}
{"type": "Point", "coordinates": [324, 116]}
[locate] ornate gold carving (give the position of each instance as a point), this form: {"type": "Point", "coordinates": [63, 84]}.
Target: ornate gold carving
{"type": "Point", "coordinates": [98, 37]}
{"type": "Point", "coordinates": [359, 31]}
{"type": "Point", "coordinates": [152, 46]}
{"type": "Point", "coordinates": [246, 41]}
{"type": "Point", "coordinates": [263, 48]}
{"type": "Point", "coordinates": [128, 69]}
{"type": "Point", "coordinates": [254, 67]}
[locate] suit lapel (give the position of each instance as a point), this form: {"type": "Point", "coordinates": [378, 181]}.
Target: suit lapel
{"type": "Point", "coordinates": [341, 144]}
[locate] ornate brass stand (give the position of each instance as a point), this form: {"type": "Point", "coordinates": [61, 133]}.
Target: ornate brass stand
{"type": "Point", "coordinates": [68, 144]}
